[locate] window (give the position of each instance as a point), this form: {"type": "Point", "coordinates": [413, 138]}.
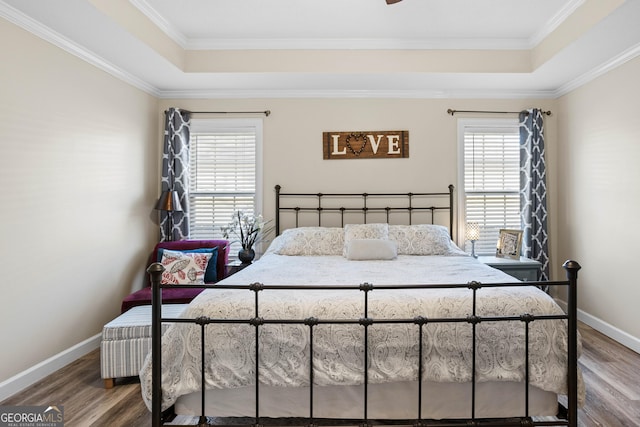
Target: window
{"type": "Point", "coordinates": [491, 178]}
{"type": "Point", "coordinates": [224, 172]}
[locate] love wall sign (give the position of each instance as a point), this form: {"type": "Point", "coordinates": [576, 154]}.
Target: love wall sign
{"type": "Point", "coordinates": [388, 144]}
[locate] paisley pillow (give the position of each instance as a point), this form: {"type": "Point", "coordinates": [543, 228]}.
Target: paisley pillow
{"type": "Point", "coordinates": [310, 241]}
{"type": "Point", "coordinates": [423, 239]}
{"type": "Point", "coordinates": [182, 268]}
{"type": "Point", "coordinates": [211, 272]}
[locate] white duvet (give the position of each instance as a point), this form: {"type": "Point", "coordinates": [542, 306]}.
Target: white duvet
{"type": "Point", "coordinates": [338, 349]}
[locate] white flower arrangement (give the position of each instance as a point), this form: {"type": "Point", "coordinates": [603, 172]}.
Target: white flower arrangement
{"type": "Point", "coordinates": [248, 229]}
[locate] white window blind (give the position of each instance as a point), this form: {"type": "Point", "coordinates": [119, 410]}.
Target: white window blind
{"type": "Point", "coordinates": [223, 176]}
{"type": "Point", "coordinates": [491, 181]}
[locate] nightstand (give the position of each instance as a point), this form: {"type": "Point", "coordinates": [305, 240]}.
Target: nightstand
{"type": "Point", "coordinates": [524, 269]}
{"type": "Point", "coordinates": [233, 267]}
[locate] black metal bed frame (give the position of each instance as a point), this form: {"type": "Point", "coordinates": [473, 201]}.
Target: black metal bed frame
{"type": "Point", "coordinates": [416, 202]}
{"type": "Point", "coordinates": [567, 416]}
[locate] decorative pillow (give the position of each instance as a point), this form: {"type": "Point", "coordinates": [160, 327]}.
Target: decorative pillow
{"type": "Point", "coordinates": [211, 272]}
{"type": "Point", "coordinates": [364, 231]}
{"type": "Point", "coordinates": [274, 245]}
{"type": "Point", "coordinates": [310, 241]}
{"type": "Point", "coordinates": [183, 268]}
{"type": "Point", "coordinates": [371, 249]}
{"type": "Point", "coordinates": [422, 239]}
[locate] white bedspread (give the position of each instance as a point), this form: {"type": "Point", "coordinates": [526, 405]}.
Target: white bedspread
{"type": "Point", "coordinates": [338, 349]}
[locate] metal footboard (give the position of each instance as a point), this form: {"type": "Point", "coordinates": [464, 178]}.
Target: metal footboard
{"type": "Point", "coordinates": [568, 415]}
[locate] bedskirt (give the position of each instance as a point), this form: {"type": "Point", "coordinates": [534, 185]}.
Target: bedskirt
{"type": "Point", "coordinates": [396, 400]}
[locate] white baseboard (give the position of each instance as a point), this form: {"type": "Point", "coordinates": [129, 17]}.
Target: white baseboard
{"type": "Point", "coordinates": [34, 374]}
{"type": "Point", "coordinates": [607, 329]}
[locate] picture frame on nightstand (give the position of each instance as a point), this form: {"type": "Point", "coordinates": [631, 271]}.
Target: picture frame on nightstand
{"type": "Point", "coordinates": [509, 244]}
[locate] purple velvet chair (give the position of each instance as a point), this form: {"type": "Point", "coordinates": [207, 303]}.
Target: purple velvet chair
{"type": "Point", "coordinates": [177, 295]}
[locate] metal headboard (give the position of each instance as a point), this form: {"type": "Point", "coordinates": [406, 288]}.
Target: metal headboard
{"type": "Point", "coordinates": [363, 204]}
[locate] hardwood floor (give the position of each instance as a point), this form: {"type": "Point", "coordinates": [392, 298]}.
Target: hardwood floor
{"type": "Point", "coordinates": [611, 372]}
{"type": "Point", "coordinates": [612, 377]}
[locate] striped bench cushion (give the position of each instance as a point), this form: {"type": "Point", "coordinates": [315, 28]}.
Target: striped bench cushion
{"type": "Point", "coordinates": [136, 323]}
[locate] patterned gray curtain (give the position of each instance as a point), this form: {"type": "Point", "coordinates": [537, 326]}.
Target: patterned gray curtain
{"type": "Point", "coordinates": [533, 189]}
{"type": "Point", "coordinates": [175, 172]}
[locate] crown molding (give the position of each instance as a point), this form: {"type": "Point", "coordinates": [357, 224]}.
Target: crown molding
{"type": "Point", "coordinates": [165, 26]}
{"type": "Point", "coordinates": [353, 94]}
{"type": "Point", "coordinates": [596, 72]}
{"type": "Point", "coordinates": [45, 33]}
{"type": "Point", "coordinates": [357, 44]}
{"type": "Point", "coordinates": [554, 22]}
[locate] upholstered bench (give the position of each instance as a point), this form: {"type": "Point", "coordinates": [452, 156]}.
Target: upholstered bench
{"type": "Point", "coordinates": [126, 341]}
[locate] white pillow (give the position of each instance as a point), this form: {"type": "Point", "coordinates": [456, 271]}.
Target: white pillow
{"type": "Point", "coordinates": [310, 241]}
{"type": "Point", "coordinates": [371, 249]}
{"type": "Point", "coordinates": [364, 231]}
{"type": "Point", "coordinates": [423, 239]}
{"type": "Point", "coordinates": [182, 268]}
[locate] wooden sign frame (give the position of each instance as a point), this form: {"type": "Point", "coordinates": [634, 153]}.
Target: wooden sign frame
{"type": "Point", "coordinates": [388, 144]}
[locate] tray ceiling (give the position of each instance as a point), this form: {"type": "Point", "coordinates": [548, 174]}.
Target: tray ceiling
{"type": "Point", "coordinates": [342, 48]}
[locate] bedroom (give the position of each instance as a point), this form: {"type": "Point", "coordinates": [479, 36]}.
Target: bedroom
{"type": "Point", "coordinates": [80, 172]}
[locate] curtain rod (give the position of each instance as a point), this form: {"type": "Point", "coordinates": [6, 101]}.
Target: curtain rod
{"type": "Point", "coordinates": [266, 112]}
{"type": "Point", "coordinates": [452, 112]}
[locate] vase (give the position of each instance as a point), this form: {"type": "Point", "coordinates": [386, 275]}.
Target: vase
{"type": "Point", "coordinates": [246, 255]}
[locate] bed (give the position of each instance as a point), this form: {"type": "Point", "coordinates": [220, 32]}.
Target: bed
{"type": "Point", "coordinates": [401, 298]}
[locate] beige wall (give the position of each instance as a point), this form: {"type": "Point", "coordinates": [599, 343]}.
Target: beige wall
{"type": "Point", "coordinates": [293, 142]}
{"type": "Point", "coordinates": [599, 142]}
{"type": "Point", "coordinates": [78, 170]}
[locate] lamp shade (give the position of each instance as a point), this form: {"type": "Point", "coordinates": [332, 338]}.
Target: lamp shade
{"type": "Point", "coordinates": [473, 231]}
{"type": "Point", "coordinates": [168, 201]}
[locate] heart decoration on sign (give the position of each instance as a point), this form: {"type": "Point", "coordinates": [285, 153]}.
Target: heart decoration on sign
{"type": "Point", "coordinates": [356, 137]}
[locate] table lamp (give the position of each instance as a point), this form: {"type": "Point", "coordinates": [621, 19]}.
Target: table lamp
{"type": "Point", "coordinates": [473, 234]}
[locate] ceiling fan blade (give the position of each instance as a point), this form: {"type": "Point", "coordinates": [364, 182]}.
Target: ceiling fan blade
{"type": "Point", "coordinates": [393, 1]}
